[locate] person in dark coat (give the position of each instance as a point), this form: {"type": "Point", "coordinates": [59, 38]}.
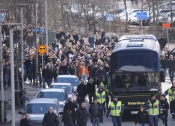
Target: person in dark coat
{"type": "Point", "coordinates": [63, 41]}
{"type": "Point", "coordinates": [67, 119]}
{"type": "Point", "coordinates": [71, 107]}
{"type": "Point", "coordinates": [96, 112]}
{"type": "Point", "coordinates": [100, 73]}
{"type": "Point", "coordinates": [90, 89]}
{"type": "Point", "coordinates": [98, 41]}
{"type": "Point", "coordinates": [63, 68]}
{"type": "Point", "coordinates": [171, 66]}
{"type": "Point", "coordinates": [142, 117]}
{"type": "Point", "coordinates": [6, 74]}
{"type": "Point", "coordinates": [57, 72]}
{"type": "Point", "coordinates": [172, 107]}
{"type": "Point", "coordinates": [91, 40]}
{"type": "Point", "coordinates": [50, 118]}
{"type": "Point", "coordinates": [30, 40]}
{"type": "Point", "coordinates": [60, 34]}
{"type": "Point", "coordinates": [71, 69]}
{"type": "Point", "coordinates": [162, 41]}
{"type": "Point", "coordinates": [94, 70]}
{"type": "Point", "coordinates": [24, 121]}
{"type": "Point", "coordinates": [81, 90]}
{"type": "Point", "coordinates": [75, 36]}
{"type": "Point", "coordinates": [165, 106]}
{"type": "Point", "coordinates": [82, 115]}
{"type": "Point", "coordinates": [46, 73]}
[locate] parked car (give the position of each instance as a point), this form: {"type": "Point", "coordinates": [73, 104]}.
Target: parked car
{"type": "Point", "coordinates": [167, 18]}
{"type": "Point", "coordinates": [36, 109]}
{"type": "Point", "coordinates": [68, 88]}
{"type": "Point", "coordinates": [60, 94]}
{"type": "Point", "coordinates": [74, 80]}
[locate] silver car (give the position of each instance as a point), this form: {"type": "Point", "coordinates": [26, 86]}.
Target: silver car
{"type": "Point", "coordinates": [68, 79]}
{"type": "Point", "coordinates": [60, 94]}
{"type": "Point", "coordinates": [36, 109]}
{"type": "Point", "coordinates": [68, 88]}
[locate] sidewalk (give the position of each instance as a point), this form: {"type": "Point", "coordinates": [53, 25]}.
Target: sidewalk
{"type": "Point", "coordinates": [31, 92]}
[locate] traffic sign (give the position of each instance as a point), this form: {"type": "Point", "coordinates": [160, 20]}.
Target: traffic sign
{"type": "Point", "coordinates": [42, 49]}
{"type": "Point", "coordinates": [1, 18]}
{"type": "Point", "coordinates": [142, 15]}
{"type": "Point", "coordinates": [166, 25]}
{"type": "Point", "coordinates": [39, 30]}
{"type": "Point", "coordinates": [109, 17]}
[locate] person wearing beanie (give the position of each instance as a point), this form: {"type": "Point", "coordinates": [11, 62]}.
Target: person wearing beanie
{"type": "Point", "coordinates": [154, 108]}
{"type": "Point", "coordinates": [95, 112]}
{"type": "Point", "coordinates": [116, 110]}
{"type": "Point", "coordinates": [101, 96]}
{"type": "Point", "coordinates": [165, 107]}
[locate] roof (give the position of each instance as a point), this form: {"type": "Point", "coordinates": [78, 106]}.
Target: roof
{"type": "Point", "coordinates": [67, 84]}
{"type": "Point", "coordinates": [42, 100]}
{"type": "Point", "coordinates": [52, 90]}
{"type": "Point", "coordinates": [67, 76]}
{"type": "Point", "coordinates": [132, 42]}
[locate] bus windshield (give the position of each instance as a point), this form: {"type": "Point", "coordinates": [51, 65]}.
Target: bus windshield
{"type": "Point", "coordinates": [140, 60]}
{"type": "Point", "coordinates": [135, 82]}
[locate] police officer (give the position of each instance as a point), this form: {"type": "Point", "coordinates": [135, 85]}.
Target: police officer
{"type": "Point", "coordinates": [105, 86]}
{"type": "Point", "coordinates": [101, 98]}
{"type": "Point", "coordinates": [116, 110]}
{"type": "Point", "coordinates": [153, 107]}
{"type": "Point", "coordinates": [170, 92]}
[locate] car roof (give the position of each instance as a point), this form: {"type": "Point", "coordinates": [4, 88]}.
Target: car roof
{"type": "Point", "coordinates": [66, 84]}
{"type": "Point", "coordinates": [67, 76]}
{"type": "Point", "coordinates": [52, 90]}
{"type": "Point", "coordinates": [43, 100]}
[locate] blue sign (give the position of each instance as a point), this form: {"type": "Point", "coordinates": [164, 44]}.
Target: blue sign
{"type": "Point", "coordinates": [39, 30]}
{"type": "Point", "coordinates": [109, 17]}
{"type": "Point", "coordinates": [1, 18]}
{"type": "Point", "coordinates": [142, 15]}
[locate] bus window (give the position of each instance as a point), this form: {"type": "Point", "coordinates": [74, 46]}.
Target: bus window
{"type": "Point", "coordinates": [135, 81]}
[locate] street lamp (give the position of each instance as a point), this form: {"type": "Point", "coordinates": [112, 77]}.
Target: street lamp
{"type": "Point", "coordinates": [36, 37]}
{"type": "Point", "coordinates": [22, 44]}
{"type": "Point", "coordinates": [1, 68]}
{"type": "Point", "coordinates": [46, 23]}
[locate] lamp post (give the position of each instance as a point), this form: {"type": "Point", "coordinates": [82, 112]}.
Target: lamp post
{"type": "Point", "coordinates": [1, 69]}
{"type": "Point", "coordinates": [22, 43]}
{"type": "Point", "coordinates": [36, 37]}
{"type": "Point", "coordinates": [46, 25]}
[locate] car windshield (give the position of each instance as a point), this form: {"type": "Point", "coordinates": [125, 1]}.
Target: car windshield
{"type": "Point", "coordinates": [39, 108]}
{"type": "Point", "coordinates": [73, 81]}
{"type": "Point", "coordinates": [58, 95]}
{"type": "Point", "coordinates": [66, 87]}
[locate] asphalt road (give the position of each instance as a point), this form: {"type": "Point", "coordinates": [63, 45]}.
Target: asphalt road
{"type": "Point", "coordinates": [130, 121]}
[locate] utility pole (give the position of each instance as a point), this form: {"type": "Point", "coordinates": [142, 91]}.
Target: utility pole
{"type": "Point", "coordinates": [79, 31]}
{"type": "Point", "coordinates": [36, 36]}
{"type": "Point", "coordinates": [46, 23]}
{"type": "Point", "coordinates": [1, 69]}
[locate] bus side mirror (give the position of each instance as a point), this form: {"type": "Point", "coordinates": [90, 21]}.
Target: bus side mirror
{"type": "Point", "coordinates": [162, 76]}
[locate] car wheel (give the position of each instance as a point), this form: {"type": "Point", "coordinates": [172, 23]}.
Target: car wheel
{"type": "Point", "coordinates": [147, 23]}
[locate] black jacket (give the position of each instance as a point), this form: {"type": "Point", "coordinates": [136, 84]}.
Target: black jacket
{"type": "Point", "coordinates": [91, 88]}
{"type": "Point", "coordinates": [70, 106]}
{"type": "Point", "coordinates": [171, 65]}
{"type": "Point", "coordinates": [64, 69]}
{"type": "Point", "coordinates": [93, 71]}
{"type": "Point", "coordinates": [162, 42]}
{"type": "Point", "coordinates": [56, 73]}
{"type": "Point", "coordinates": [81, 116]}
{"type": "Point", "coordinates": [172, 106]}
{"type": "Point", "coordinates": [163, 63]}
{"type": "Point", "coordinates": [142, 117]}
{"type": "Point", "coordinates": [92, 111]}
{"type": "Point", "coordinates": [71, 70]}
{"type": "Point", "coordinates": [100, 73]}
{"type": "Point", "coordinates": [25, 122]}
{"type": "Point", "coordinates": [165, 105]}
{"type": "Point", "coordinates": [81, 89]}
{"type": "Point", "coordinates": [50, 120]}
{"type": "Point", "coordinates": [46, 73]}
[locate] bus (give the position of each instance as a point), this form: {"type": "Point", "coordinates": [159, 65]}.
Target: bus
{"type": "Point", "coordinates": [135, 71]}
